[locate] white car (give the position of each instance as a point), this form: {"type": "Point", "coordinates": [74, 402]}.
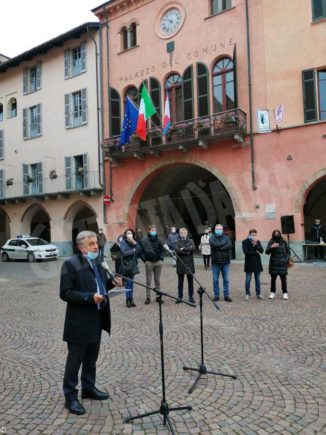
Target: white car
{"type": "Point", "coordinates": [28, 248]}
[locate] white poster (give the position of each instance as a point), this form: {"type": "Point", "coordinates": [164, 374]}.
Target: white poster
{"type": "Point", "coordinates": [263, 122]}
{"type": "Point", "coordinates": [278, 113]}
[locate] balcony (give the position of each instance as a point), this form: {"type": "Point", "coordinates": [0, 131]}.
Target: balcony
{"type": "Point", "coordinates": [184, 135]}
{"type": "Point", "coordinates": [86, 184]}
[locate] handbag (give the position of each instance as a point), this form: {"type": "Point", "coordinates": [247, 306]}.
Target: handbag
{"type": "Point", "coordinates": [127, 265]}
{"type": "Point", "coordinates": [115, 251]}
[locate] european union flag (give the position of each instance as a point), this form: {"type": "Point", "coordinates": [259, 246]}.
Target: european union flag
{"type": "Point", "coordinates": [129, 121]}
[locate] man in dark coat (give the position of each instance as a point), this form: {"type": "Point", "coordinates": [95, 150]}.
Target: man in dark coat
{"type": "Point", "coordinates": [184, 249]}
{"type": "Point", "coordinates": [101, 241]}
{"type": "Point", "coordinates": [318, 236]}
{"type": "Point", "coordinates": [279, 251]}
{"type": "Point", "coordinates": [221, 247]}
{"type": "Point", "coordinates": [152, 253]}
{"type": "Point", "coordinates": [83, 286]}
{"type": "Point", "coordinates": [252, 249]}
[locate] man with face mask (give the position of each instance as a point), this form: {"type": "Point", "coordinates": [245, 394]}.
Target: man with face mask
{"type": "Point", "coordinates": [152, 253]}
{"type": "Point", "coordinates": [221, 247]}
{"type": "Point", "coordinates": [185, 264]}
{"type": "Point", "coordinates": [252, 249]}
{"type": "Point", "coordinates": [83, 286]}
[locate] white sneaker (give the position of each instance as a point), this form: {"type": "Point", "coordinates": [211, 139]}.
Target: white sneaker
{"type": "Point", "coordinates": [247, 297]}
{"type": "Point", "coordinates": [285, 296]}
{"type": "Point", "coordinates": [272, 296]}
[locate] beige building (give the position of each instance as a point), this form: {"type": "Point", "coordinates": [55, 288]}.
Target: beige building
{"type": "Point", "coordinates": [50, 131]}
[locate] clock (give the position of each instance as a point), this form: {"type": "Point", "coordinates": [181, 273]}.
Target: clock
{"type": "Point", "coordinates": [170, 21]}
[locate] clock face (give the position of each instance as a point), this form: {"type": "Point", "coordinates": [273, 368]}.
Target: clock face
{"type": "Point", "coordinates": [171, 21]}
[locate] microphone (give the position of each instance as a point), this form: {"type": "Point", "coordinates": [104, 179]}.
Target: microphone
{"type": "Point", "coordinates": [168, 250]}
{"type": "Point", "coordinates": [107, 269]}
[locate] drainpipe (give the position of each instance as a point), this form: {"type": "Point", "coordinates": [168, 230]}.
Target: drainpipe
{"type": "Point", "coordinates": [252, 153]}
{"type": "Point", "coordinates": [100, 156]}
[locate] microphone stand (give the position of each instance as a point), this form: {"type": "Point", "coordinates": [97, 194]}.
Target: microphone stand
{"type": "Point", "coordinates": [164, 408]}
{"type": "Point", "coordinates": [202, 370]}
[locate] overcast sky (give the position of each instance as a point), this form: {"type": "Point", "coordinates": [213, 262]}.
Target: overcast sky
{"type": "Point", "coordinates": [24, 24]}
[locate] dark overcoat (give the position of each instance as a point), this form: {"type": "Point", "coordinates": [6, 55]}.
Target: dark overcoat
{"type": "Point", "coordinates": [186, 256]}
{"type": "Point", "coordinates": [278, 257]}
{"type": "Point", "coordinates": [252, 256]}
{"type": "Point", "coordinates": [220, 249]}
{"type": "Point", "coordinates": [83, 322]}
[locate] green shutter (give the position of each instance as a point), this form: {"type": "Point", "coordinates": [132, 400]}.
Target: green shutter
{"type": "Point", "coordinates": [187, 91]}
{"type": "Point", "coordinates": [83, 56]}
{"type": "Point", "coordinates": [68, 173]}
{"type": "Point", "coordinates": [202, 90]}
{"type": "Point", "coordinates": [25, 81]}
{"type": "Point", "coordinates": [67, 110]}
{"type": "Point", "coordinates": [309, 95]}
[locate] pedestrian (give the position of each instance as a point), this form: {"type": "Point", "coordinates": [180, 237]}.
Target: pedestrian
{"type": "Point", "coordinates": [221, 247]}
{"type": "Point", "coordinates": [184, 249]}
{"type": "Point", "coordinates": [128, 267]}
{"type": "Point", "coordinates": [205, 248]}
{"type": "Point", "coordinates": [152, 253]}
{"type": "Point", "coordinates": [173, 237]}
{"type": "Point", "coordinates": [279, 253]}
{"type": "Point", "coordinates": [318, 236]}
{"type": "Point", "coordinates": [83, 286]}
{"type": "Point", "coordinates": [101, 240]}
{"type": "Point", "coordinates": [252, 249]}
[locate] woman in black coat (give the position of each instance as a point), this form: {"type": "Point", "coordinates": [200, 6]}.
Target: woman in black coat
{"type": "Point", "coordinates": [279, 251]}
{"type": "Point", "coordinates": [128, 266]}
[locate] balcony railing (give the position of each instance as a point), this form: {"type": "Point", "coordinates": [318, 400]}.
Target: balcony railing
{"type": "Point", "coordinates": [182, 135]}
{"type": "Point", "coordinates": [61, 186]}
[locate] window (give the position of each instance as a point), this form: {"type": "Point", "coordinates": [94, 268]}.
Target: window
{"type": "Point", "coordinates": [133, 94]}
{"type": "Point", "coordinates": [32, 79]}
{"type": "Point", "coordinates": [318, 9]}
{"type": "Point", "coordinates": [76, 172]}
{"type": "Point", "coordinates": [1, 112]}
{"type": "Point", "coordinates": [1, 144]}
{"type": "Point", "coordinates": [75, 61]}
{"type": "Point", "coordinates": [76, 109]}
{"type": "Point", "coordinates": [187, 88]}
{"type": "Point", "coordinates": [12, 108]}
{"type": "Point", "coordinates": [223, 86]}
{"type": "Point", "coordinates": [32, 179]}
{"type": "Point", "coordinates": [173, 87]}
{"type": "Point", "coordinates": [115, 116]}
{"type": "Point", "coordinates": [129, 36]}
{"type": "Point", "coordinates": [220, 6]}
{"type": "Point", "coordinates": [2, 184]}
{"type": "Point", "coordinates": [314, 95]}
{"type": "Point", "coordinates": [202, 90]}
{"type": "Point", "coordinates": [155, 93]}
{"type": "Point", "coordinates": [32, 122]}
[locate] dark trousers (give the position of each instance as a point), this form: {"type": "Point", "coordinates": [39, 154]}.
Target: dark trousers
{"type": "Point", "coordinates": [283, 281]}
{"type": "Point", "coordinates": [190, 279]}
{"type": "Point", "coordinates": [206, 260]}
{"type": "Point", "coordinates": [80, 354]}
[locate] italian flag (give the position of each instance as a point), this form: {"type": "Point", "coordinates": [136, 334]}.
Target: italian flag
{"type": "Point", "coordinates": [146, 110]}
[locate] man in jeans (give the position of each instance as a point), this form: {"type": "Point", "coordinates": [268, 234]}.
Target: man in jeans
{"type": "Point", "coordinates": [252, 249]}
{"type": "Point", "coordinates": [152, 254]}
{"type": "Point", "coordinates": [221, 247]}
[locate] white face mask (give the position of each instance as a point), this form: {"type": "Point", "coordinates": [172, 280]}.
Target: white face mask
{"type": "Point", "coordinates": [129, 236]}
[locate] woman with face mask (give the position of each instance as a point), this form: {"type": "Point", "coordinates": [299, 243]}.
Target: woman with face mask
{"type": "Point", "coordinates": [279, 253]}
{"type": "Point", "coordinates": [205, 248]}
{"type": "Point", "coordinates": [130, 249]}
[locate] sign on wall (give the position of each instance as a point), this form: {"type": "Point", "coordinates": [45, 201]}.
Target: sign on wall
{"type": "Point", "coordinates": [263, 121]}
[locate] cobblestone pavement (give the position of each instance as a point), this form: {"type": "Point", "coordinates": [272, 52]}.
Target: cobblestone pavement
{"type": "Point", "coordinates": [275, 348]}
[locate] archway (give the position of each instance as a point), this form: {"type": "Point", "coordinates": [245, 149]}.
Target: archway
{"type": "Point", "coordinates": [4, 227]}
{"type": "Point", "coordinates": [185, 195]}
{"type": "Point", "coordinates": [36, 222]}
{"type": "Point", "coordinates": [83, 219]}
{"type": "Point", "coordinates": [314, 207]}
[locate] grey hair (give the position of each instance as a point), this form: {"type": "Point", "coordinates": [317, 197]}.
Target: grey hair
{"type": "Point", "coordinates": [84, 235]}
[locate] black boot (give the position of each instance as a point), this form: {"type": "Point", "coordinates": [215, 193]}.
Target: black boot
{"type": "Point", "coordinates": [132, 303]}
{"type": "Point", "coordinates": [128, 304]}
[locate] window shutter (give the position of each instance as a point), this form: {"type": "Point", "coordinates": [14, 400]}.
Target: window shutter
{"type": "Point", "coordinates": [1, 144]}
{"type": "Point", "coordinates": [38, 119]}
{"type": "Point", "coordinates": [235, 75]}
{"type": "Point", "coordinates": [187, 90]}
{"type": "Point", "coordinates": [202, 90]}
{"type": "Point", "coordinates": [84, 105]}
{"type": "Point", "coordinates": [68, 173]}
{"type": "Point", "coordinates": [25, 81]}
{"type": "Point", "coordinates": [309, 95]}
{"type": "Point", "coordinates": [38, 75]}
{"type": "Point", "coordinates": [25, 183]}
{"type": "Point", "coordinates": [67, 63]}
{"type": "Point", "coordinates": [25, 123]}
{"type": "Point", "coordinates": [67, 110]}
{"type": "Point", "coordinates": [83, 56]}
{"type": "Point", "coordinates": [85, 170]}
{"type": "Point", "coordinates": [2, 190]}
{"type": "Point", "coordinates": [40, 177]}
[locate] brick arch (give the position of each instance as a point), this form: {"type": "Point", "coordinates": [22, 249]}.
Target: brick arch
{"type": "Point", "coordinates": [141, 184]}
{"type": "Point", "coordinates": [306, 188]}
